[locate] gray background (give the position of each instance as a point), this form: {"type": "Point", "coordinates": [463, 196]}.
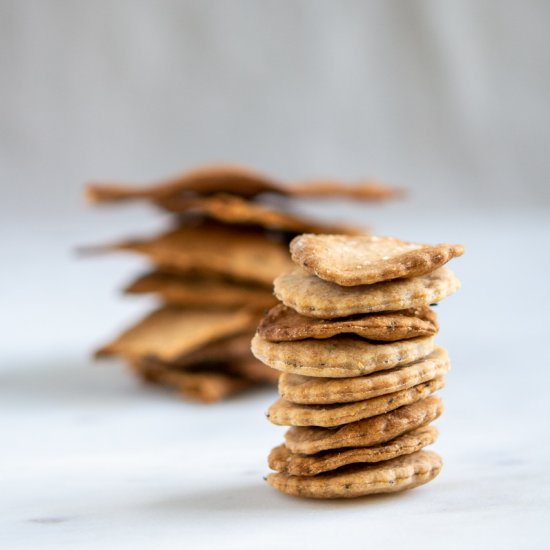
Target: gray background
{"type": "Point", "coordinates": [449, 98]}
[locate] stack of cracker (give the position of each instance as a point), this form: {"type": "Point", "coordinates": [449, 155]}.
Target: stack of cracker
{"type": "Point", "coordinates": [213, 272]}
{"type": "Point", "coordinates": [354, 340]}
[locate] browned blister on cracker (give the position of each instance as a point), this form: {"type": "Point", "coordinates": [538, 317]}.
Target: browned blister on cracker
{"type": "Point", "coordinates": [313, 297]}
{"type": "Point", "coordinates": [399, 474]}
{"type": "Point", "coordinates": [366, 259]}
{"type": "Point", "coordinates": [283, 460]}
{"type": "Point", "coordinates": [285, 413]}
{"type": "Point", "coordinates": [232, 209]}
{"type": "Point", "coordinates": [282, 323]}
{"type": "Point", "coordinates": [206, 290]}
{"type": "Point", "coordinates": [309, 390]}
{"type": "Point", "coordinates": [243, 255]}
{"type": "Point", "coordinates": [365, 433]}
{"type": "Point", "coordinates": [170, 333]}
{"type": "Point", "coordinates": [341, 356]}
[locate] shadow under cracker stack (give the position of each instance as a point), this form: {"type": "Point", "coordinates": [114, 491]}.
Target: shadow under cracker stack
{"type": "Point", "coordinates": [354, 341]}
{"type": "Point", "coordinates": [212, 272]}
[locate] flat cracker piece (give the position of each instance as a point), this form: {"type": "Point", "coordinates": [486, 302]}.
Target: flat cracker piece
{"type": "Point", "coordinates": [313, 297]}
{"type": "Point", "coordinates": [236, 180]}
{"type": "Point", "coordinates": [237, 210]}
{"type": "Point", "coordinates": [308, 390]}
{"type": "Point", "coordinates": [390, 476]}
{"type": "Point", "coordinates": [283, 324]}
{"type": "Point", "coordinates": [365, 433]}
{"type": "Point", "coordinates": [283, 460]}
{"type": "Point", "coordinates": [202, 290]}
{"type": "Point", "coordinates": [252, 369]}
{"type": "Point", "coordinates": [243, 255]}
{"type": "Point", "coordinates": [169, 333]}
{"type": "Point", "coordinates": [341, 356]}
{"type": "Point", "coordinates": [204, 387]}
{"type": "Point", "coordinates": [367, 259]}
{"type": "Point", "coordinates": [285, 413]}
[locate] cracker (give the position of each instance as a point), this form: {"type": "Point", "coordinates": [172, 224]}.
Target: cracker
{"type": "Point", "coordinates": [170, 333]}
{"type": "Point", "coordinates": [236, 180]}
{"type": "Point", "coordinates": [341, 356]}
{"type": "Point", "coordinates": [283, 460]}
{"type": "Point", "coordinates": [282, 324]}
{"type": "Point", "coordinates": [243, 255]}
{"type": "Point", "coordinates": [308, 390]}
{"type": "Point", "coordinates": [365, 433]}
{"type": "Point", "coordinates": [391, 476]}
{"type": "Point", "coordinates": [231, 209]}
{"type": "Point", "coordinates": [285, 413]}
{"type": "Point", "coordinates": [367, 259]}
{"type": "Point", "coordinates": [313, 297]}
{"type": "Point", "coordinates": [252, 369]}
{"type": "Point", "coordinates": [205, 387]}
{"type": "Point", "coordinates": [202, 290]}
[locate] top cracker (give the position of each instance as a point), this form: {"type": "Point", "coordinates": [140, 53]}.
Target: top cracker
{"type": "Point", "coordinates": [365, 259]}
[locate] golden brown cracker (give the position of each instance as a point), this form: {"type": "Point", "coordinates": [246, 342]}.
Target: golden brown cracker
{"type": "Point", "coordinates": [202, 290]}
{"type": "Point", "coordinates": [367, 259]}
{"type": "Point", "coordinates": [341, 356]}
{"type": "Point", "coordinates": [169, 333]}
{"type": "Point", "coordinates": [313, 297]}
{"type": "Point", "coordinates": [283, 460]}
{"type": "Point", "coordinates": [285, 413]}
{"type": "Point", "coordinates": [308, 390]}
{"type": "Point", "coordinates": [365, 433]}
{"type": "Point", "coordinates": [398, 474]}
{"type": "Point", "coordinates": [282, 323]}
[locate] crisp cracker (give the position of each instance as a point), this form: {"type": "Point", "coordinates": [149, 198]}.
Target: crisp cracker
{"type": "Point", "coordinates": [202, 290]}
{"type": "Point", "coordinates": [282, 323]}
{"type": "Point", "coordinates": [341, 356]}
{"type": "Point", "coordinates": [231, 209]}
{"type": "Point", "coordinates": [285, 413]}
{"type": "Point", "coordinates": [366, 259]}
{"type": "Point", "coordinates": [283, 460]}
{"type": "Point", "coordinates": [390, 476]}
{"type": "Point", "coordinates": [308, 390]}
{"type": "Point", "coordinates": [243, 255]}
{"type": "Point", "coordinates": [252, 369]}
{"type": "Point", "coordinates": [236, 180]}
{"type": "Point", "coordinates": [169, 333]}
{"type": "Point", "coordinates": [205, 387]}
{"type": "Point", "coordinates": [365, 433]}
{"type": "Point", "coordinates": [313, 297]}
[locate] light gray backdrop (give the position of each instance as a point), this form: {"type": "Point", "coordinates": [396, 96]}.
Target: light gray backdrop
{"type": "Point", "coordinates": [450, 98]}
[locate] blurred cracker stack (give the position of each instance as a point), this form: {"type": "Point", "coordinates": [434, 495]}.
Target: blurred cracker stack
{"type": "Point", "coordinates": [213, 272]}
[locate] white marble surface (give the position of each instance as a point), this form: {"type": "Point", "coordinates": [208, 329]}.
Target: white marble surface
{"type": "Point", "coordinates": [89, 458]}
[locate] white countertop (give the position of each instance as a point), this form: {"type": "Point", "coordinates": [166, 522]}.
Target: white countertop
{"type": "Point", "coordinates": [91, 458]}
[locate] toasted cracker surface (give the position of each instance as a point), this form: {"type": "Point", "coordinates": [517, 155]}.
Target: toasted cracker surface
{"type": "Point", "coordinates": [232, 209]}
{"type": "Point", "coordinates": [204, 290]}
{"type": "Point", "coordinates": [283, 460]}
{"type": "Point", "coordinates": [309, 390]}
{"type": "Point", "coordinates": [313, 297]}
{"type": "Point", "coordinates": [170, 333]}
{"type": "Point", "coordinates": [204, 387]}
{"type": "Point", "coordinates": [365, 433]}
{"type": "Point", "coordinates": [398, 474]}
{"type": "Point", "coordinates": [241, 254]}
{"type": "Point", "coordinates": [282, 324]}
{"type": "Point", "coordinates": [254, 370]}
{"type": "Point", "coordinates": [339, 357]}
{"type": "Point", "coordinates": [366, 259]}
{"type": "Point", "coordinates": [236, 180]}
{"type": "Point", "coordinates": [285, 413]}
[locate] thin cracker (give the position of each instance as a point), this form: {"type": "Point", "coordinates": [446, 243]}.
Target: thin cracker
{"type": "Point", "coordinates": [313, 297]}
{"type": "Point", "coordinates": [367, 259]}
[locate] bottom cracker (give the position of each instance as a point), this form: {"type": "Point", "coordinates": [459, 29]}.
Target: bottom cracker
{"type": "Point", "coordinates": [391, 476]}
